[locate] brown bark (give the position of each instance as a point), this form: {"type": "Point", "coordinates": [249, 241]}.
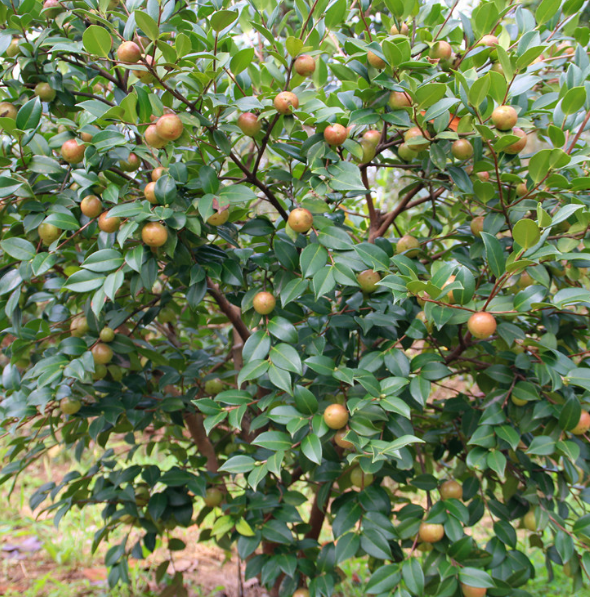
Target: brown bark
{"type": "Point", "coordinates": [194, 423]}
{"type": "Point", "coordinates": [231, 312]}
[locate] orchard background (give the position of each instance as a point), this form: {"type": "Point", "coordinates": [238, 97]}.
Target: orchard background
{"type": "Point", "coordinates": [309, 278]}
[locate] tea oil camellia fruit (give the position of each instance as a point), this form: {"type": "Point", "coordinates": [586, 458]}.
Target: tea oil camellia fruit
{"type": "Point", "coordinates": [304, 65]}
{"type": "Point", "coordinates": [481, 325]}
{"type": "Point", "coordinates": [213, 497]}
{"type": "Point", "coordinates": [154, 234]}
{"type": "Point", "coordinates": [69, 406]}
{"type": "Point", "coordinates": [359, 478]}
{"type": "Point", "coordinates": [219, 218]}
{"type": "Point", "coordinates": [79, 326]}
{"type": "Point", "coordinates": [108, 224]}
{"type": "Point", "coordinates": [477, 226]}
{"type": "Point", "coordinates": [213, 386]}
{"type": "Point", "coordinates": [91, 206]}
{"type": "Point", "coordinates": [530, 521]}
{"type": "Point", "coordinates": [583, 424]}
{"type": "Point", "coordinates": [489, 40]}
{"type": "Point", "coordinates": [519, 145]}
{"type": "Point", "coordinates": [368, 280]}
{"type": "Point", "coordinates": [150, 192]}
{"type": "Point", "coordinates": [402, 30]}
{"type": "Point", "coordinates": [340, 441]}
{"type": "Point", "coordinates": [473, 591]}
{"type": "Point", "coordinates": [264, 303]}
{"type": "Point", "coordinates": [462, 149]}
{"type": "Point", "coordinates": [372, 136]}
{"type": "Point", "coordinates": [406, 153]}
{"type": "Point", "coordinates": [73, 152]}
{"type": "Point", "coordinates": [102, 353]}
{"type": "Point", "coordinates": [13, 49]}
{"type": "Point", "coordinates": [409, 245]}
{"type": "Point", "coordinates": [131, 164]}
{"type": "Point", "coordinates": [336, 416]}
{"type": "Point", "coordinates": [451, 489]}
{"type": "Point", "coordinates": [145, 76]}
{"type": "Point", "coordinates": [7, 110]}
{"type": "Point", "coordinates": [249, 124]}
{"type": "Point", "coordinates": [335, 134]}
{"type": "Point", "coordinates": [415, 134]}
{"type": "Point", "coordinates": [169, 127]}
{"type": "Point", "coordinates": [286, 102]}
{"type": "Point", "coordinates": [375, 61]}
{"type": "Point", "coordinates": [441, 50]}
{"type": "Point", "coordinates": [158, 172]}
{"type": "Point", "coordinates": [301, 592]}
{"type": "Point", "coordinates": [300, 220]}
{"type": "Point", "coordinates": [107, 335]}
{"type": "Point", "coordinates": [153, 139]}
{"type": "Point", "coordinates": [504, 117]}
{"type": "Point", "coordinates": [129, 52]}
{"type": "Point", "coordinates": [430, 532]}
{"type": "Point", "coordinates": [45, 92]}
{"type": "Point", "coordinates": [399, 100]}
{"type": "Point", "coordinates": [48, 233]}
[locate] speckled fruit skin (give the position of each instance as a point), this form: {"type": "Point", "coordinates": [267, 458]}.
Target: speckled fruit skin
{"type": "Point", "coordinates": [264, 303]}
{"type": "Point", "coordinates": [286, 102]}
{"type": "Point", "coordinates": [304, 65]}
{"type": "Point", "coordinates": [368, 280]}
{"type": "Point", "coordinates": [431, 533]}
{"type": "Point", "coordinates": [481, 325]}
{"type": "Point", "coordinates": [504, 117]}
{"type": "Point", "coordinates": [150, 192]}
{"type": "Point", "coordinates": [336, 416]}
{"type": "Point", "coordinates": [300, 220]}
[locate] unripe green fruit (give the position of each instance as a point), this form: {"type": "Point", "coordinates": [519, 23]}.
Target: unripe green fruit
{"type": "Point", "coordinates": [530, 521]}
{"type": "Point", "coordinates": [431, 533]}
{"type": "Point", "coordinates": [477, 226]}
{"type": "Point", "coordinates": [360, 479]}
{"type": "Point", "coordinates": [375, 61]}
{"type": "Point", "coordinates": [131, 164]}
{"type": "Point", "coordinates": [107, 334]}
{"type": "Point", "coordinates": [368, 280]}
{"type": "Point", "coordinates": [399, 100]}
{"type": "Point", "coordinates": [167, 315]}
{"type": "Point", "coordinates": [213, 497]}
{"type": "Point", "coordinates": [416, 139]}
{"type": "Point", "coordinates": [451, 489]}
{"type": "Point", "coordinates": [504, 117]}
{"type": "Point", "coordinates": [45, 92]}
{"type": "Point", "coordinates": [100, 372]}
{"type": "Point", "coordinates": [48, 233]}
{"type": "Point", "coordinates": [264, 303]}
{"type": "Point", "coordinates": [213, 386]}
{"type": "Point", "coordinates": [7, 110]}
{"type": "Point", "coordinates": [79, 327]}
{"type": "Point", "coordinates": [91, 206]}
{"type": "Point", "coordinates": [462, 149]}
{"type": "Point", "coordinates": [102, 353]}
{"type": "Point", "coordinates": [69, 406]}
{"type": "Point", "coordinates": [13, 49]}
{"type": "Point", "coordinates": [409, 245]}
{"type": "Point", "coordinates": [406, 153]}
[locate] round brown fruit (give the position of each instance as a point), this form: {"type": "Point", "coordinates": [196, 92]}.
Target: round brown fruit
{"type": "Point", "coordinates": [483, 176]}
{"type": "Point", "coordinates": [300, 220]}
{"type": "Point", "coordinates": [304, 65]}
{"type": "Point", "coordinates": [372, 136]}
{"type": "Point", "coordinates": [340, 441]}
{"type": "Point", "coordinates": [368, 280]}
{"type": "Point", "coordinates": [504, 117]}
{"type": "Point", "coordinates": [153, 139]}
{"type": "Point", "coordinates": [286, 102]}
{"type": "Point", "coordinates": [415, 133]}
{"type": "Point", "coordinates": [399, 100]}
{"type": "Point", "coordinates": [583, 424]}
{"type": "Point", "coordinates": [403, 30]}
{"type": "Point", "coordinates": [48, 233]}
{"type": "Point", "coordinates": [45, 92]}
{"type": "Point", "coordinates": [129, 52]}
{"type": "Point", "coordinates": [336, 416]}
{"type": "Point", "coordinates": [150, 192]}
{"type": "Point", "coordinates": [108, 224]}
{"type": "Point", "coordinates": [79, 326]}
{"type": "Point", "coordinates": [7, 110]}
{"type": "Point", "coordinates": [158, 172]}
{"type": "Point", "coordinates": [482, 325]}
{"type": "Point", "coordinates": [213, 497]}
{"type": "Point", "coordinates": [430, 532]}
{"type": "Point", "coordinates": [521, 189]}
{"type": "Point", "coordinates": [86, 137]}
{"type": "Point", "coordinates": [169, 127]}
{"type": "Point", "coordinates": [219, 218]}
{"type": "Point", "coordinates": [264, 303]}
{"type": "Point", "coordinates": [519, 145]}
{"type": "Point", "coordinates": [107, 335]}
{"type": "Point", "coordinates": [69, 406]}
{"type": "Point", "coordinates": [71, 152]}
{"type": "Point", "coordinates": [360, 479]}
{"type": "Point", "coordinates": [406, 153]}
{"type": "Point", "coordinates": [91, 206]}
{"type": "Point", "coordinates": [249, 124]}
{"type": "Point", "coordinates": [477, 226]}
{"type": "Point", "coordinates": [102, 353]}
{"type": "Point", "coordinates": [409, 245]}
{"type": "Point", "coordinates": [469, 591]}
{"type": "Point", "coordinates": [451, 489]}
{"type": "Point", "coordinates": [335, 134]}
{"type": "Point", "coordinates": [375, 61]}
{"type": "Point", "coordinates": [462, 149]}
{"type": "Point", "coordinates": [154, 234]}
{"type": "Point", "coordinates": [441, 50]}
{"type": "Point", "coordinates": [213, 386]}
{"type": "Point", "coordinates": [131, 164]}
{"type": "Point", "coordinates": [490, 41]}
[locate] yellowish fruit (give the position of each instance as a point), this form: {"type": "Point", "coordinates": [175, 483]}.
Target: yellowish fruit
{"type": "Point", "coordinates": [264, 303]}
{"type": "Point", "coordinates": [336, 416]}
{"type": "Point", "coordinates": [430, 532]}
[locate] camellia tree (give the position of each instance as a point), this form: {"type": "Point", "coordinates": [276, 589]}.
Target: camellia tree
{"type": "Point", "coordinates": [326, 261]}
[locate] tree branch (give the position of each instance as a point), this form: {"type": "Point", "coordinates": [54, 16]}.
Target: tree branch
{"type": "Point", "coordinates": [194, 423]}
{"type": "Point", "coordinates": [390, 217]}
{"type": "Point", "coordinates": [231, 312]}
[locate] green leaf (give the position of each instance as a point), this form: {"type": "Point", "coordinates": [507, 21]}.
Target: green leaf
{"type": "Point", "coordinates": [238, 465]}
{"type": "Point", "coordinates": [383, 580]}
{"type": "Point", "coordinates": [474, 577]}
{"type": "Point", "coordinates": [311, 446]}
{"type": "Point", "coordinates": [335, 14]}
{"type": "Point", "coordinates": [497, 462]}
{"type": "Point", "coordinates": [257, 346]}
{"type": "Point", "coordinates": [372, 256]}
{"type": "Point", "coordinates": [479, 90]}
{"type": "Point", "coordinates": [97, 40]}
{"type": "Point", "coordinates": [147, 24]}
{"type": "Point", "coordinates": [312, 259]}
{"type": "Point", "coordinates": [19, 248]}
{"type": "Point", "coordinates": [335, 238]}
{"type": "Point", "coordinates": [293, 290]}
{"type": "Point", "coordinates": [570, 413]}
{"type": "Point", "coordinates": [323, 282]}
{"type": "Point", "coordinates": [494, 254]}
{"type": "Point", "coordinates": [29, 116]}
{"type": "Point", "coordinates": [84, 281]}
{"type": "Point", "coordinates": [242, 60]}
{"type": "Point", "coordinates": [542, 445]}
{"type": "Point", "coordinates": [526, 233]}
{"type": "Point", "coordinates": [104, 260]}
{"type": "Point", "coordinates": [375, 544]}
{"type": "Point", "coordinates": [347, 547]}
{"type": "Point", "coordinates": [573, 100]}
{"type": "Point", "coordinates": [222, 19]}
{"type": "Point", "coordinates": [273, 440]}
{"type": "Point", "coordinates": [546, 10]}
{"type": "Point", "coordinates": [294, 46]}
{"type": "Point", "coordinates": [579, 377]}
{"type": "Point", "coordinates": [413, 576]}
{"type": "Point", "coordinates": [286, 357]}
